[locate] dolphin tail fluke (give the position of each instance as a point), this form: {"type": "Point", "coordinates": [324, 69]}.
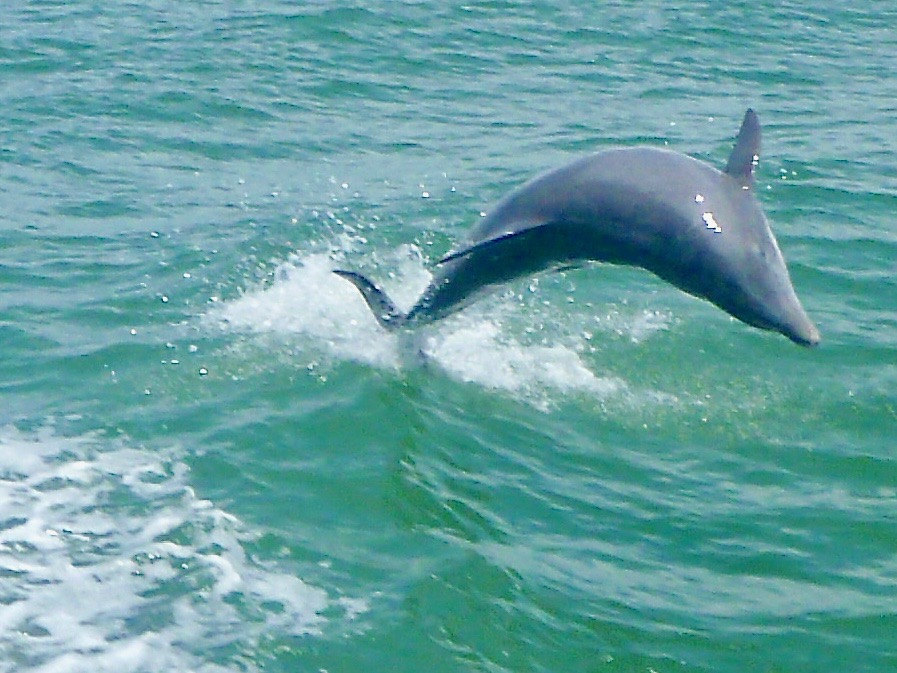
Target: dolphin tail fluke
{"type": "Point", "coordinates": [381, 306]}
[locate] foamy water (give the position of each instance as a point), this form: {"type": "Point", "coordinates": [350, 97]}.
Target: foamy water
{"type": "Point", "coordinates": [110, 562]}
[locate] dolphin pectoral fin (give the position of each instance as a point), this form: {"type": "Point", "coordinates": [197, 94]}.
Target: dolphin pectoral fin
{"type": "Point", "coordinates": [381, 306]}
{"type": "Point", "coordinates": [482, 246]}
{"type": "Point", "coordinates": [746, 153]}
{"type": "Point", "coordinates": [477, 247]}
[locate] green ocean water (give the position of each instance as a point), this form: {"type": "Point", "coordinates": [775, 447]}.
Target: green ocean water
{"type": "Point", "coordinates": [212, 459]}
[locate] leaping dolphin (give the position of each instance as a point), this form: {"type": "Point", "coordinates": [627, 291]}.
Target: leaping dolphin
{"type": "Point", "coordinates": [694, 226]}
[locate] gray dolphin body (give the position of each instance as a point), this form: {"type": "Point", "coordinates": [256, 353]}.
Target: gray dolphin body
{"type": "Point", "coordinates": [692, 225]}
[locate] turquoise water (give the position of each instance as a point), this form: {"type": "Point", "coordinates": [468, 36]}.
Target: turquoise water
{"type": "Point", "coordinates": [212, 459]}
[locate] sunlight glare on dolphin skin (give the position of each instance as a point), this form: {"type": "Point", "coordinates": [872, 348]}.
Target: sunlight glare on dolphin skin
{"type": "Point", "coordinates": [711, 222]}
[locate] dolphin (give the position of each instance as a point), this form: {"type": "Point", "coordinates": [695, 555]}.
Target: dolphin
{"type": "Point", "coordinates": [692, 225]}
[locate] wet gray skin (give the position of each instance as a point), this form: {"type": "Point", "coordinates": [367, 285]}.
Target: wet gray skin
{"type": "Point", "coordinates": [692, 225]}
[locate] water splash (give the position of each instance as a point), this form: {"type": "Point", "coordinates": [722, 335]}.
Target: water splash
{"type": "Point", "coordinates": [477, 350]}
{"type": "Point", "coordinates": [306, 300]}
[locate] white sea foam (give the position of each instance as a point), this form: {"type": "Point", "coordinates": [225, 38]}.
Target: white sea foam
{"type": "Point", "coordinates": [475, 349]}
{"type": "Point", "coordinates": [306, 300]}
{"type": "Point", "coordinates": [110, 562]}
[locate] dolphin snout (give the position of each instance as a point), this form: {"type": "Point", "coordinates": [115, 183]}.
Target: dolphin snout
{"type": "Point", "coordinates": [809, 337]}
{"type": "Point", "coordinates": [801, 329]}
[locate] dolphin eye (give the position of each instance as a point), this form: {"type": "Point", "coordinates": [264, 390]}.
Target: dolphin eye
{"type": "Point", "coordinates": [759, 250]}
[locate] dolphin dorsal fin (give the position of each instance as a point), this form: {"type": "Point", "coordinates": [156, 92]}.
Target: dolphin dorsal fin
{"type": "Point", "coordinates": [746, 153]}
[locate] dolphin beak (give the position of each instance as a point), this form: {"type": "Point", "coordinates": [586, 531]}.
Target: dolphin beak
{"type": "Point", "coordinates": [809, 337]}
{"type": "Point", "coordinates": [801, 330]}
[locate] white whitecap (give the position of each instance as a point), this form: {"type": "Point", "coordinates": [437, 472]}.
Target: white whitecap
{"type": "Point", "coordinates": [110, 562]}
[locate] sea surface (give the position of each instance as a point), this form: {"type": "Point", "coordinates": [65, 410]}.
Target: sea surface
{"type": "Point", "coordinates": [212, 458]}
